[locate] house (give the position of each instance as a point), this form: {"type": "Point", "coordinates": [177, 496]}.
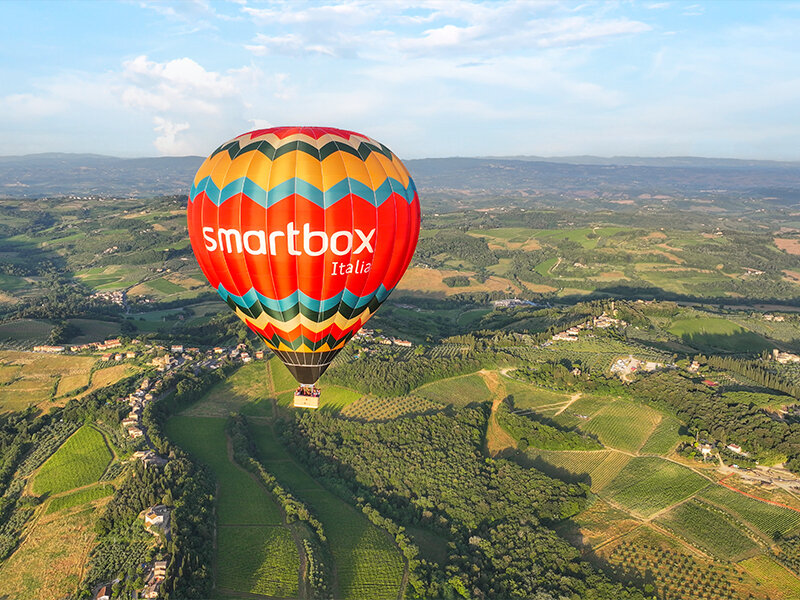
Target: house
{"type": "Point", "coordinates": [145, 383]}
{"type": "Point", "coordinates": [135, 432]}
{"type": "Point", "coordinates": [130, 355]}
{"type": "Point", "coordinates": [118, 357]}
{"type": "Point", "coordinates": [160, 569]}
{"type": "Point", "coordinates": [706, 449]}
{"type": "Point", "coordinates": [735, 448]}
{"type": "Point", "coordinates": [130, 422]}
{"type": "Point", "coordinates": [51, 349]}
{"type": "Point", "coordinates": [259, 354]}
{"type": "Point", "coordinates": [106, 357]}
{"type": "Point", "coordinates": [176, 348]}
{"type": "Point", "coordinates": [404, 343]}
{"type": "Point", "coordinates": [218, 350]}
{"type": "Point", "coordinates": [104, 593]}
{"type": "Point", "coordinates": [157, 516]}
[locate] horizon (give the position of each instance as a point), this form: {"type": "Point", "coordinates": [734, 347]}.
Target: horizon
{"type": "Point", "coordinates": [428, 79]}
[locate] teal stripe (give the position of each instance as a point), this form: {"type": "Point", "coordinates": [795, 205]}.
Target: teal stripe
{"type": "Point", "coordinates": [252, 296]}
{"type": "Point", "coordinates": [326, 199]}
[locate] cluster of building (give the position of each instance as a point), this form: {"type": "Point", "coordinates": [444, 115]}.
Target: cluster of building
{"type": "Point", "coordinates": [626, 367]}
{"type": "Point", "coordinates": [115, 297]}
{"type": "Point", "coordinates": [602, 322]}
{"type": "Point", "coordinates": [105, 345]}
{"type": "Point", "coordinates": [511, 302]}
{"type": "Point", "coordinates": [137, 400]}
{"type": "Point", "coordinates": [369, 335]}
{"type": "Point", "coordinates": [784, 358]}
{"type": "Point", "coordinates": [774, 318]}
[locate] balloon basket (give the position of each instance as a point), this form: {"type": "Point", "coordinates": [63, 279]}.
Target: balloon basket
{"type": "Point", "coordinates": [306, 396]}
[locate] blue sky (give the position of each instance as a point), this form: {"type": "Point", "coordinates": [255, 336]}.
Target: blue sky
{"type": "Point", "coordinates": [427, 78]}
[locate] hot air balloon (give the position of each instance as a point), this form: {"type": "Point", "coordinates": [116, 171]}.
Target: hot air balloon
{"type": "Point", "coordinates": [304, 232]}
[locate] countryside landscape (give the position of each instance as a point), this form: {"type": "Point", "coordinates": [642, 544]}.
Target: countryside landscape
{"type": "Point", "coordinates": [606, 400]}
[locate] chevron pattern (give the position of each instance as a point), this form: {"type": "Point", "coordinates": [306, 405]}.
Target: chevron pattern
{"type": "Point", "coordinates": [276, 181]}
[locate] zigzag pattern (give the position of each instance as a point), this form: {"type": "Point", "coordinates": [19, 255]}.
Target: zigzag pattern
{"type": "Point", "coordinates": [295, 185]}
{"type": "Point", "coordinates": [362, 150]}
{"type": "Point", "coordinates": [290, 304]}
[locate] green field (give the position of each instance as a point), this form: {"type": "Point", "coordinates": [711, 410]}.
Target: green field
{"type": "Point", "coordinates": [380, 409]}
{"type": "Point", "coordinates": [598, 468]}
{"type": "Point", "coordinates": [710, 529]}
{"type": "Point", "coordinates": [282, 380]}
{"type": "Point", "coordinates": [459, 391]}
{"type": "Point", "coordinates": [664, 437]}
{"type": "Point", "coordinates": [81, 460]}
{"type": "Point", "coordinates": [368, 564]}
{"type": "Point", "coordinates": [623, 425]}
{"type": "Point", "coordinates": [92, 330]}
{"type": "Point", "coordinates": [241, 501]}
{"type": "Point", "coordinates": [334, 397]}
{"type": "Point", "coordinates": [165, 286]}
{"type": "Point", "coordinates": [258, 560]}
{"type": "Point", "coordinates": [528, 396]}
{"type": "Point", "coordinates": [25, 331]}
{"type": "Point", "coordinates": [719, 334]}
{"type": "Point", "coordinates": [765, 518]}
{"type": "Point", "coordinates": [647, 485]}
{"type": "Point", "coordinates": [248, 384]}
{"type": "Point", "coordinates": [79, 497]}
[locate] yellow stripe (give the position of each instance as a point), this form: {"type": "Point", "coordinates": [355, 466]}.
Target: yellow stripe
{"type": "Point", "coordinates": [300, 320]}
{"type": "Point", "coordinates": [209, 165]}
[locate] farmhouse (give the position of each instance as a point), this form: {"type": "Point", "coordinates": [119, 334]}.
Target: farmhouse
{"type": "Point", "coordinates": [50, 349]}
{"type": "Point", "coordinates": [135, 432]}
{"type": "Point", "coordinates": [157, 516]}
{"type": "Point", "coordinates": [784, 357]}
{"type": "Point", "coordinates": [104, 593]}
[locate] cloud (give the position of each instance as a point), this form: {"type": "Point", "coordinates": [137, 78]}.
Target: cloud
{"type": "Point", "coordinates": [167, 142]}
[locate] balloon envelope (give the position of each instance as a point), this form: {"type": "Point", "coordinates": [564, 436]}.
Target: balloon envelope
{"type": "Point", "coordinates": [304, 232]}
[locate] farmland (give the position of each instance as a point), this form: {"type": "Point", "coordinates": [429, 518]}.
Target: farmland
{"type": "Point", "coordinates": [777, 581]}
{"type": "Point", "coordinates": [241, 500]}
{"type": "Point", "coordinates": [647, 485]}
{"type": "Point", "coordinates": [48, 563]}
{"type": "Point", "coordinates": [664, 437]}
{"type": "Point", "coordinates": [79, 497]}
{"type": "Point", "coordinates": [623, 425]}
{"type": "Point", "coordinates": [81, 460]}
{"type": "Point", "coordinates": [765, 518]}
{"type": "Point", "coordinates": [597, 468]}
{"type": "Point", "coordinates": [458, 391]}
{"type": "Point", "coordinates": [368, 564]}
{"type": "Point", "coordinates": [258, 560]}
{"type": "Point", "coordinates": [710, 529]}
{"type": "Point", "coordinates": [249, 383]}
{"type": "Point", "coordinates": [379, 409]}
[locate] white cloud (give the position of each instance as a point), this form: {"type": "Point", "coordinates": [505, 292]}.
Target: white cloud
{"type": "Point", "coordinates": [167, 142]}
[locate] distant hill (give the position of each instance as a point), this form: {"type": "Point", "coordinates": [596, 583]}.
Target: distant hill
{"type": "Point", "coordinates": [585, 177]}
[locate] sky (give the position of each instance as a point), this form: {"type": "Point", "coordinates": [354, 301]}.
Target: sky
{"type": "Point", "coordinates": [428, 78]}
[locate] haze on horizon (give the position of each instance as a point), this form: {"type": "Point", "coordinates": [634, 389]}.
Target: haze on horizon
{"type": "Point", "coordinates": [428, 78]}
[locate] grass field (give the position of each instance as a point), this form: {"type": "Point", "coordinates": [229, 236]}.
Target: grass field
{"type": "Point", "coordinates": [81, 460]}
{"type": "Point", "coordinates": [720, 334]}
{"type": "Point", "coordinates": [165, 286]}
{"type": "Point", "coordinates": [282, 380]}
{"type": "Point", "coordinates": [368, 564]}
{"type": "Point", "coordinates": [249, 383]}
{"type": "Point", "coordinates": [778, 582]}
{"type": "Point", "coordinates": [21, 394]}
{"type": "Point", "coordinates": [623, 425]}
{"type": "Point", "coordinates": [527, 396]}
{"type": "Point", "coordinates": [258, 560]}
{"type": "Point", "coordinates": [710, 529]}
{"type": "Point", "coordinates": [647, 485]}
{"type": "Point", "coordinates": [93, 330]}
{"type": "Point", "coordinates": [79, 497]}
{"type": "Point", "coordinates": [110, 375]}
{"type": "Point", "coordinates": [69, 383]}
{"type": "Point", "coordinates": [458, 391]}
{"type": "Point", "coordinates": [334, 397]}
{"type": "Point", "coordinates": [765, 518]}
{"type": "Point", "coordinates": [49, 562]}
{"type": "Point", "coordinates": [241, 501]}
{"type": "Point", "coordinates": [25, 331]}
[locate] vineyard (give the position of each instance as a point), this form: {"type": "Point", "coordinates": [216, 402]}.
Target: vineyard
{"type": "Point", "coordinates": [367, 562]}
{"type": "Point", "coordinates": [79, 497]}
{"type": "Point", "coordinates": [258, 560]}
{"type": "Point", "coordinates": [623, 424]}
{"type": "Point", "coordinates": [383, 409]}
{"type": "Point", "coordinates": [445, 350]}
{"type": "Point", "coordinates": [649, 484]}
{"type": "Point", "coordinates": [527, 396]}
{"type": "Point", "coordinates": [709, 528]}
{"type": "Point", "coordinates": [458, 391]}
{"type": "Point", "coordinates": [673, 574]}
{"type": "Point", "coordinates": [767, 519]}
{"type": "Point", "coordinates": [664, 437]}
{"type": "Point", "coordinates": [776, 581]}
{"type": "Point", "coordinates": [80, 461]}
{"type": "Point", "coordinates": [600, 466]}
{"type": "Point", "coordinates": [241, 501]}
